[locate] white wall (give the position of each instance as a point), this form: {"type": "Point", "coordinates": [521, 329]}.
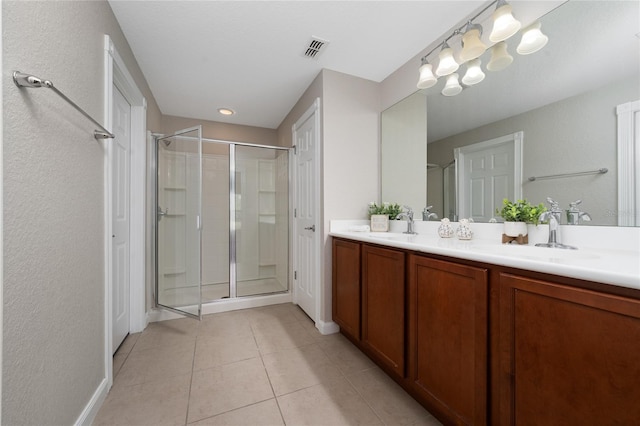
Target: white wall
{"type": "Point", "coordinates": [53, 289]}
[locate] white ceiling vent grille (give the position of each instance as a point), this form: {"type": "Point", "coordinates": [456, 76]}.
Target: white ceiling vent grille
{"type": "Point", "coordinates": [315, 47]}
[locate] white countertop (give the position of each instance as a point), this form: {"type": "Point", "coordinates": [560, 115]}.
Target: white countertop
{"type": "Point", "coordinates": [617, 264]}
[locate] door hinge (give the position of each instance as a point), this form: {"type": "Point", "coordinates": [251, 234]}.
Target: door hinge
{"type": "Point", "coordinates": [295, 149]}
{"type": "Point", "coordinates": [295, 275]}
{"type": "Point", "coordinates": [295, 212]}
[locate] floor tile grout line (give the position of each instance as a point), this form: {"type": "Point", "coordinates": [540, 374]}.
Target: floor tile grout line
{"type": "Point", "coordinates": [193, 362]}
{"type": "Point", "coordinates": [364, 398]}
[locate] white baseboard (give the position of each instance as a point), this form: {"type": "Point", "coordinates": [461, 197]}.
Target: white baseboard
{"type": "Point", "coordinates": [327, 327]}
{"type": "Point", "coordinates": [225, 305]}
{"type": "Point", "coordinates": [90, 411]}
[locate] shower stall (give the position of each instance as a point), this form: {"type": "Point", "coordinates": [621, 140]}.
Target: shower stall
{"type": "Point", "coordinates": [222, 221]}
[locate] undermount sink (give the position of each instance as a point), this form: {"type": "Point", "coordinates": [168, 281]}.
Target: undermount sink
{"type": "Point", "coordinates": [390, 235]}
{"type": "Point", "coordinates": [542, 253]}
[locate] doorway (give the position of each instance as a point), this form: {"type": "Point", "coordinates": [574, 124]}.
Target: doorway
{"type": "Point", "coordinates": [222, 221]}
{"type": "Point", "coordinates": [488, 172]}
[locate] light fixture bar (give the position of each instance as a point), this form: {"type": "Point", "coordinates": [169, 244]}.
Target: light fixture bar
{"type": "Point", "coordinates": [459, 29]}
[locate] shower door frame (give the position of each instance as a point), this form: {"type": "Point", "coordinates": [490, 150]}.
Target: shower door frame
{"type": "Point", "coordinates": [232, 212]}
{"type": "Point", "coordinates": [156, 211]}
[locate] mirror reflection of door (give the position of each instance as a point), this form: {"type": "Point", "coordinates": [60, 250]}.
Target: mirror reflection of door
{"type": "Point", "coordinates": [488, 172]}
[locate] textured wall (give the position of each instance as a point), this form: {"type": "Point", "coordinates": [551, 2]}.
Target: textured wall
{"type": "Point", "coordinates": [53, 341]}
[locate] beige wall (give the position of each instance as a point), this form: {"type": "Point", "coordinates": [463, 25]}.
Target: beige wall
{"type": "Point", "coordinates": [404, 153]}
{"type": "Point", "coordinates": [222, 131]}
{"type": "Point", "coordinates": [53, 320]}
{"type": "Point", "coordinates": [350, 153]}
{"type": "Point", "coordinates": [285, 136]}
{"type": "Point", "coordinates": [572, 135]}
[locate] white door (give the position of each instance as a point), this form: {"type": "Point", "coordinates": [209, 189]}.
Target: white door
{"type": "Point", "coordinates": [120, 175]}
{"type": "Point", "coordinates": [306, 221]}
{"type": "Point", "coordinates": [488, 172]}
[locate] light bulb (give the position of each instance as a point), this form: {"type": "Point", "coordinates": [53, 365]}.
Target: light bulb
{"type": "Point", "coordinates": [452, 87]}
{"type": "Point", "coordinates": [474, 74]}
{"type": "Point", "coordinates": [447, 64]}
{"type": "Point", "coordinates": [427, 79]}
{"type": "Point", "coordinates": [472, 46]}
{"type": "Point", "coordinates": [504, 24]}
{"type": "Point", "coordinates": [532, 39]}
{"type": "Point", "coordinates": [500, 58]}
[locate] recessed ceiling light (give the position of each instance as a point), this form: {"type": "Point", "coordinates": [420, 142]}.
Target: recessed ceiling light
{"type": "Point", "coordinates": [226, 111]}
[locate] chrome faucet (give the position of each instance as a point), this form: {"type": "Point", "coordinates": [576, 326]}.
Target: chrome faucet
{"type": "Point", "coordinates": [428, 215]}
{"type": "Point", "coordinates": [553, 216]}
{"type": "Point", "coordinates": [574, 215]}
{"type": "Point", "coordinates": [408, 214]}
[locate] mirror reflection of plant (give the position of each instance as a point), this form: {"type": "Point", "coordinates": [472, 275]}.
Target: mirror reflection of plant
{"type": "Point", "coordinates": [521, 211]}
{"type": "Point", "coordinates": [391, 209]}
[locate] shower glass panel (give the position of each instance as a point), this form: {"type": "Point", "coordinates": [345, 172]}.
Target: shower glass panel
{"type": "Point", "coordinates": [179, 189]}
{"type": "Point", "coordinates": [261, 220]}
{"type": "Point", "coordinates": [215, 221]}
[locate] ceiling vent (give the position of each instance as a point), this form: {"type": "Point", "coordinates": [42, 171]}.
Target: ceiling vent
{"type": "Point", "coordinates": [315, 47]}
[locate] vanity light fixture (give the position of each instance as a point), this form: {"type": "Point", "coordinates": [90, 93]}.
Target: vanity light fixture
{"type": "Point", "coordinates": [226, 111]}
{"type": "Point", "coordinates": [427, 79]}
{"type": "Point", "coordinates": [532, 39]}
{"type": "Point", "coordinates": [474, 74]}
{"type": "Point", "coordinates": [452, 87]}
{"type": "Point", "coordinates": [504, 26]}
{"type": "Point", "coordinates": [472, 46]}
{"type": "Point", "coordinates": [447, 64]}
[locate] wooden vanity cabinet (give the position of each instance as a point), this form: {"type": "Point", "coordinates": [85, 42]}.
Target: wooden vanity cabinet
{"type": "Point", "coordinates": [567, 355]}
{"type": "Point", "coordinates": [383, 306]}
{"type": "Point", "coordinates": [448, 325]}
{"type": "Point", "coordinates": [346, 287]}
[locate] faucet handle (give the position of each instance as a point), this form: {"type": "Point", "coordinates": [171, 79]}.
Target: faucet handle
{"type": "Point", "coordinates": [574, 204]}
{"type": "Point", "coordinates": [554, 204]}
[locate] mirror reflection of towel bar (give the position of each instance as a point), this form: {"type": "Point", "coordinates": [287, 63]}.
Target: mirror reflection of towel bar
{"type": "Point", "coordinates": [563, 175]}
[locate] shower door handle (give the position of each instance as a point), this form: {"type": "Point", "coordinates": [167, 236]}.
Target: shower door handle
{"type": "Point", "coordinates": [311, 228]}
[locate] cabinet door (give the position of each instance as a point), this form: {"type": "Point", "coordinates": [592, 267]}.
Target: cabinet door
{"type": "Point", "coordinates": [383, 299]}
{"type": "Point", "coordinates": [568, 356]}
{"type": "Point", "coordinates": [448, 369]}
{"type": "Point", "coordinates": [346, 287]}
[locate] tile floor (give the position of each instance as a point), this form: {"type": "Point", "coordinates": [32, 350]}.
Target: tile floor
{"type": "Point", "coordinates": [262, 366]}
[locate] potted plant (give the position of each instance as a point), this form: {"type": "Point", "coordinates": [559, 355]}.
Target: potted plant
{"type": "Point", "coordinates": [518, 214]}
{"type": "Point", "coordinates": [381, 214]}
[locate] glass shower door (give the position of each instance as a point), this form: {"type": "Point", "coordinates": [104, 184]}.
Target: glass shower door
{"type": "Point", "coordinates": [261, 189]}
{"type": "Point", "coordinates": [179, 204]}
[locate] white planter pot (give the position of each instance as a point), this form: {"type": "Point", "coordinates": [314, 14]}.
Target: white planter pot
{"type": "Point", "coordinates": [513, 229]}
{"type": "Point", "coordinates": [379, 222]}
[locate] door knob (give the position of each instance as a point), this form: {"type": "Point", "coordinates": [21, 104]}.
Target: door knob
{"type": "Point", "coordinates": [311, 228]}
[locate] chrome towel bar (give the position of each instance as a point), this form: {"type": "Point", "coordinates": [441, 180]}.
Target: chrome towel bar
{"type": "Point", "coordinates": [563, 175]}
{"type": "Point", "coordinates": [27, 80]}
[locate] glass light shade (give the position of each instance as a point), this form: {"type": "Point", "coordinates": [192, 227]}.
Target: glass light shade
{"type": "Point", "coordinates": [427, 79]}
{"type": "Point", "coordinates": [472, 46]}
{"type": "Point", "coordinates": [504, 24]}
{"type": "Point", "coordinates": [500, 58]}
{"type": "Point", "coordinates": [452, 87]}
{"type": "Point", "coordinates": [447, 63]}
{"type": "Point", "coordinates": [532, 39]}
{"type": "Point", "coordinates": [474, 74]}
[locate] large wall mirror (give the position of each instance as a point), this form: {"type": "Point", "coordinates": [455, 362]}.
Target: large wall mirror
{"type": "Point", "coordinates": [563, 99]}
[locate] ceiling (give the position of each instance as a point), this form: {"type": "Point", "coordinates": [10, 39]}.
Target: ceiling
{"type": "Point", "coordinates": [198, 56]}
